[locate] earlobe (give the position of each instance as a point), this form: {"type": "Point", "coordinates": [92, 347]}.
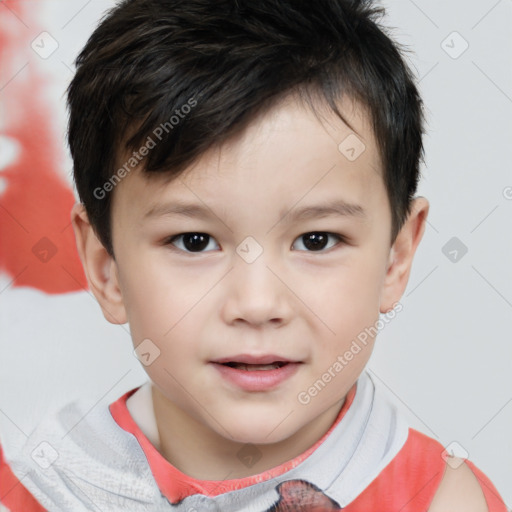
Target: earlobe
{"type": "Point", "coordinates": [402, 254]}
{"type": "Point", "coordinates": [99, 266]}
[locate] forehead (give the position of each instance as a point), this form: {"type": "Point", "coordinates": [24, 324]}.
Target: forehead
{"type": "Point", "coordinates": [285, 153]}
{"type": "Point", "coordinates": [293, 124]}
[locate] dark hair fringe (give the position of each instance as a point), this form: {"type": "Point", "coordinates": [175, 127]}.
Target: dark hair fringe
{"type": "Point", "coordinates": [236, 59]}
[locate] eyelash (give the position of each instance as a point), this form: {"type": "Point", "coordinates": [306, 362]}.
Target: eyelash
{"type": "Point", "coordinates": [169, 241]}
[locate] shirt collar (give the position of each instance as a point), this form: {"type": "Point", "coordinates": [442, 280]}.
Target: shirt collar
{"type": "Point", "coordinates": [176, 485]}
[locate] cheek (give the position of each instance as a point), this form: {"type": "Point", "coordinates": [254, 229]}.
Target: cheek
{"type": "Point", "coordinates": [166, 305]}
{"type": "Point", "coordinates": [350, 307]}
{"type": "Point", "coordinates": [347, 297]}
{"type": "Point", "coordinates": [156, 297]}
{"type": "Point", "coordinates": [165, 324]}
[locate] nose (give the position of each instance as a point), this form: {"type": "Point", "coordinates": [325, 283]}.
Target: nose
{"type": "Point", "coordinates": [257, 294]}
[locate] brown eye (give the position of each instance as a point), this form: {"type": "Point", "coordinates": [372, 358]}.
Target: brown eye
{"type": "Point", "coordinates": [316, 241]}
{"type": "Point", "coordinates": [191, 242]}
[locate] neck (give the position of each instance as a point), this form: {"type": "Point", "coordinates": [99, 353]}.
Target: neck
{"type": "Point", "coordinates": [201, 453]}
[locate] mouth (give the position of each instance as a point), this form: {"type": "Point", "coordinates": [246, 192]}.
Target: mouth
{"type": "Point", "coordinates": [256, 373]}
{"type": "Point", "coordinates": [256, 367]}
{"type": "Point", "coordinates": [251, 362]}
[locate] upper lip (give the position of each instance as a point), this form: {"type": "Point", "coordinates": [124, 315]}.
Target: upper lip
{"type": "Point", "coordinates": [254, 359]}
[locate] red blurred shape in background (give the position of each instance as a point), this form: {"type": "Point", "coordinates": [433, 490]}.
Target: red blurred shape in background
{"type": "Point", "coordinates": [37, 245]}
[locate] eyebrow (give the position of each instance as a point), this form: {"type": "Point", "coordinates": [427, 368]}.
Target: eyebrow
{"type": "Point", "coordinates": [336, 207]}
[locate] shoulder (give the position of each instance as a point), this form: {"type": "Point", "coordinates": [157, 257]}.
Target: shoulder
{"type": "Point", "coordinates": [459, 490]}
{"type": "Point", "coordinates": [13, 494]}
{"type": "Point", "coordinates": [75, 444]}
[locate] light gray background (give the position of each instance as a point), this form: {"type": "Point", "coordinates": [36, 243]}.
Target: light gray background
{"type": "Point", "coordinates": [446, 360]}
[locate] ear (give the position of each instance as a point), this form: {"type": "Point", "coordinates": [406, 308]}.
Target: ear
{"type": "Point", "coordinates": [402, 253]}
{"type": "Point", "coordinates": [99, 266]}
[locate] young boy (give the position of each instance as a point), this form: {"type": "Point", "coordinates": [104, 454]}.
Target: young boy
{"type": "Point", "coordinates": [247, 173]}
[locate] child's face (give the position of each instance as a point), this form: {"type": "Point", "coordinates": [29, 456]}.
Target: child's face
{"type": "Point", "coordinates": [255, 285]}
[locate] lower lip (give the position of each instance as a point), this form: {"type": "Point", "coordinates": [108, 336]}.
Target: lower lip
{"type": "Point", "coordinates": [258, 380]}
